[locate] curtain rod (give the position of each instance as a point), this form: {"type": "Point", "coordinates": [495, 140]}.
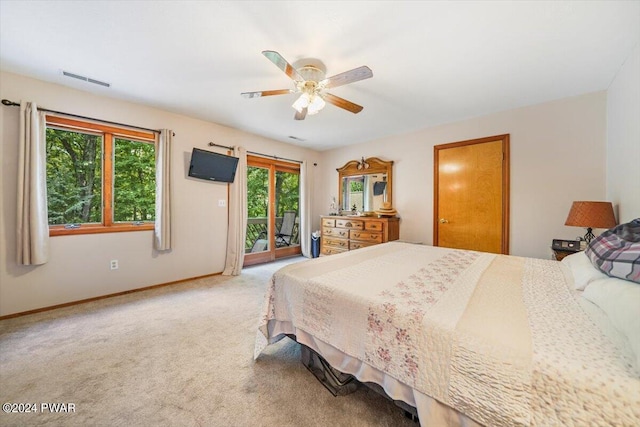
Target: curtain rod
{"type": "Point", "coordinates": [14, 104]}
{"type": "Point", "coordinates": [213, 144]}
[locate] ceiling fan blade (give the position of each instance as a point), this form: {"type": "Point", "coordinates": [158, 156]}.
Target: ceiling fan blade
{"type": "Point", "coordinates": [282, 63]}
{"type": "Point", "coordinates": [350, 76]}
{"type": "Point", "coordinates": [342, 103]}
{"type": "Point", "coordinates": [266, 93]}
{"type": "Point", "coordinates": [301, 115]}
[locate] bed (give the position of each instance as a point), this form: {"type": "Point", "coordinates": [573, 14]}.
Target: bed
{"type": "Point", "coordinates": [469, 338]}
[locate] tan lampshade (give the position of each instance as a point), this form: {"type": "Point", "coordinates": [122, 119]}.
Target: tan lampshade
{"type": "Point", "coordinates": [591, 215]}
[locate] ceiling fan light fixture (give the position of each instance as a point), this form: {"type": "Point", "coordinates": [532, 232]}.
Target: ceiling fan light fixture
{"type": "Point", "coordinates": [316, 104]}
{"type": "Point", "coordinates": [301, 103]}
{"type": "Point", "coordinates": [311, 83]}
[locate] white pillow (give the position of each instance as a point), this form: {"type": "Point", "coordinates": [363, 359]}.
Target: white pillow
{"type": "Point", "coordinates": [582, 270]}
{"type": "Point", "coordinates": [620, 300]}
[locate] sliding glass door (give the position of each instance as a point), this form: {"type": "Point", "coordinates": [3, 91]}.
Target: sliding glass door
{"type": "Point", "coordinates": [273, 200]}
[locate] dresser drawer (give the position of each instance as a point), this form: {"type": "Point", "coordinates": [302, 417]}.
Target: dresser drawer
{"type": "Point", "coordinates": [350, 224]}
{"type": "Point", "coordinates": [373, 226]}
{"type": "Point", "coordinates": [346, 233]}
{"type": "Point", "coordinates": [354, 244]}
{"type": "Point", "coordinates": [330, 250]}
{"type": "Point", "coordinates": [328, 222]}
{"type": "Point", "coordinates": [336, 243]}
{"type": "Point", "coordinates": [366, 236]}
{"type": "Point", "coordinates": [336, 232]}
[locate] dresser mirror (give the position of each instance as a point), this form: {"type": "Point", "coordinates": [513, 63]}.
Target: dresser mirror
{"type": "Point", "coordinates": [365, 184]}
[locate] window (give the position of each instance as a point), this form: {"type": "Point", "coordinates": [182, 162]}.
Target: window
{"type": "Point", "coordinates": [99, 178]}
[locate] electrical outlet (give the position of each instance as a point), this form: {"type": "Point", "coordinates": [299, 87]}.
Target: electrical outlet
{"type": "Point", "coordinates": [222, 203]}
{"type": "Point", "coordinates": [114, 264]}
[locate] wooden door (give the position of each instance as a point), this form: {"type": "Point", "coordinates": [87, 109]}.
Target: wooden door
{"type": "Point", "coordinates": [471, 195]}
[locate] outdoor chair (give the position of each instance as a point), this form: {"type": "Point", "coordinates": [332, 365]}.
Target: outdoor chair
{"type": "Point", "coordinates": [285, 234]}
{"type": "Point", "coordinates": [260, 244]}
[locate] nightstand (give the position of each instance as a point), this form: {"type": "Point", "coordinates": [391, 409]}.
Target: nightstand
{"type": "Point", "coordinates": [562, 248]}
{"type": "Point", "coordinates": [559, 254]}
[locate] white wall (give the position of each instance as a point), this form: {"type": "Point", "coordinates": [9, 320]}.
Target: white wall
{"type": "Point", "coordinates": [623, 139]}
{"type": "Point", "coordinates": [557, 156]}
{"type": "Point", "coordinates": [79, 265]}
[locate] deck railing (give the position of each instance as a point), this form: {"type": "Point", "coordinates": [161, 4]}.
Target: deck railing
{"type": "Point", "coordinates": [257, 229]}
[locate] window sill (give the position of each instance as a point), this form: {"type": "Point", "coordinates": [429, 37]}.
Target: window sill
{"type": "Point", "coordinates": [59, 230]}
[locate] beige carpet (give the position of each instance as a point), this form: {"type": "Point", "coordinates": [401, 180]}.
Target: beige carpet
{"type": "Point", "coordinates": [180, 355]}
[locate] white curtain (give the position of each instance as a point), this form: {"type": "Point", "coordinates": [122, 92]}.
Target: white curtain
{"type": "Point", "coordinates": [162, 233]}
{"type": "Point", "coordinates": [237, 229]}
{"type": "Point", "coordinates": [305, 211]}
{"type": "Point", "coordinates": [32, 220]}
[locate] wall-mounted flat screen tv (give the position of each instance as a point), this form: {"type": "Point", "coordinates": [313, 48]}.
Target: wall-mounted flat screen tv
{"type": "Point", "coordinates": [212, 166]}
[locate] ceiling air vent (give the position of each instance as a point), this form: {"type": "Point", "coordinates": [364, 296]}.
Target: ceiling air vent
{"type": "Point", "coordinates": [86, 79]}
{"type": "Point", "coordinates": [295, 138]}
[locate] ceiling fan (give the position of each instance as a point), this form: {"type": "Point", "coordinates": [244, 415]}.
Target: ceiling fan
{"type": "Point", "coordinates": [311, 83]}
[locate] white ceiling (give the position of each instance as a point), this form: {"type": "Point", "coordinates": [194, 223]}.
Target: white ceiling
{"type": "Point", "coordinates": [433, 62]}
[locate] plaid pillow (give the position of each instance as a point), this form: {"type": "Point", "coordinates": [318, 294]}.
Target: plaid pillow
{"type": "Point", "coordinates": [616, 252]}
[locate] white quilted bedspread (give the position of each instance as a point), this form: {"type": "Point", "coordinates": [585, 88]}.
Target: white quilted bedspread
{"type": "Point", "coordinates": [501, 339]}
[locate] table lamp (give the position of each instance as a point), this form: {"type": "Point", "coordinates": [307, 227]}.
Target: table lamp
{"type": "Point", "coordinates": [591, 215]}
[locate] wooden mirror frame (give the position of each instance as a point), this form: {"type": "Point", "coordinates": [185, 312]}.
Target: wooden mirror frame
{"type": "Point", "coordinates": [376, 165]}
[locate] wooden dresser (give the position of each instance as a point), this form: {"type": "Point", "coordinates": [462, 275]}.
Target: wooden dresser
{"type": "Point", "coordinates": [346, 233]}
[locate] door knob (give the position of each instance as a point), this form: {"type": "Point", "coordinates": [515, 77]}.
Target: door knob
{"type": "Point", "coordinates": [443, 221]}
